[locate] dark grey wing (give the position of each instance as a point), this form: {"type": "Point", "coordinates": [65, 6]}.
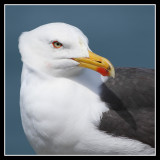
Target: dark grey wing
{"type": "Point", "coordinates": [130, 96]}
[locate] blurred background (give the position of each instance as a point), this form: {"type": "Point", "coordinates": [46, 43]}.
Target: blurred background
{"type": "Point", "coordinates": [124, 34]}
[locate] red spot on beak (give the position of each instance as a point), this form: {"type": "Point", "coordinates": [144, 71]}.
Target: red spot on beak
{"type": "Point", "coordinates": [102, 71]}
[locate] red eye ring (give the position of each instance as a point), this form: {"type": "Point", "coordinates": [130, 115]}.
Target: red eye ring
{"type": "Point", "coordinates": [57, 44]}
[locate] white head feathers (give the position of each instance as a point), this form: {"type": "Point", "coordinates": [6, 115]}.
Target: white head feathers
{"type": "Point", "coordinates": [38, 52]}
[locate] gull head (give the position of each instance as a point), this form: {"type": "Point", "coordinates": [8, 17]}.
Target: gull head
{"type": "Point", "coordinates": [60, 49]}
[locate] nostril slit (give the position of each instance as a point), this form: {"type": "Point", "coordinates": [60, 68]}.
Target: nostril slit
{"type": "Point", "coordinates": [99, 61]}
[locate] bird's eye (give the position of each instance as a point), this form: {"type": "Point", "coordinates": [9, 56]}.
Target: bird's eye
{"type": "Point", "coordinates": [57, 44]}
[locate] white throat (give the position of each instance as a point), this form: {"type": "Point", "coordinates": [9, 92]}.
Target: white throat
{"type": "Point", "coordinates": [89, 79]}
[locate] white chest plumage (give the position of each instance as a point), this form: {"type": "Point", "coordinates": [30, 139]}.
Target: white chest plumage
{"type": "Point", "coordinates": [56, 112]}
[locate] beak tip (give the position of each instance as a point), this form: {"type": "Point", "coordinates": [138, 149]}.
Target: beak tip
{"type": "Point", "coordinates": [112, 73]}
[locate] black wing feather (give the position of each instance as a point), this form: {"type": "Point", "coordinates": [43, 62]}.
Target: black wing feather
{"type": "Point", "coordinates": [131, 101]}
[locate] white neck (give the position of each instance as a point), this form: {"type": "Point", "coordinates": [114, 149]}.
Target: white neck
{"type": "Point", "coordinates": [86, 77]}
{"type": "Point", "coordinates": [90, 79]}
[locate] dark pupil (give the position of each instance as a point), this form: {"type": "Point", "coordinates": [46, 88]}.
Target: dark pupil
{"type": "Point", "coordinates": [58, 44]}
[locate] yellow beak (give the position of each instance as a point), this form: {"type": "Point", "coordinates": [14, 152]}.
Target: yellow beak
{"type": "Point", "coordinates": [97, 63]}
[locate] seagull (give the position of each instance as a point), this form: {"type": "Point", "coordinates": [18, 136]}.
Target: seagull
{"type": "Point", "coordinates": [74, 102]}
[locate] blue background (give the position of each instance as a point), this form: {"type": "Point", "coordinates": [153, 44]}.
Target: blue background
{"type": "Point", "coordinates": [123, 34]}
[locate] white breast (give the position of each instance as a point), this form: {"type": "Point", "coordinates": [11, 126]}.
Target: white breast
{"type": "Point", "coordinates": [56, 111]}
